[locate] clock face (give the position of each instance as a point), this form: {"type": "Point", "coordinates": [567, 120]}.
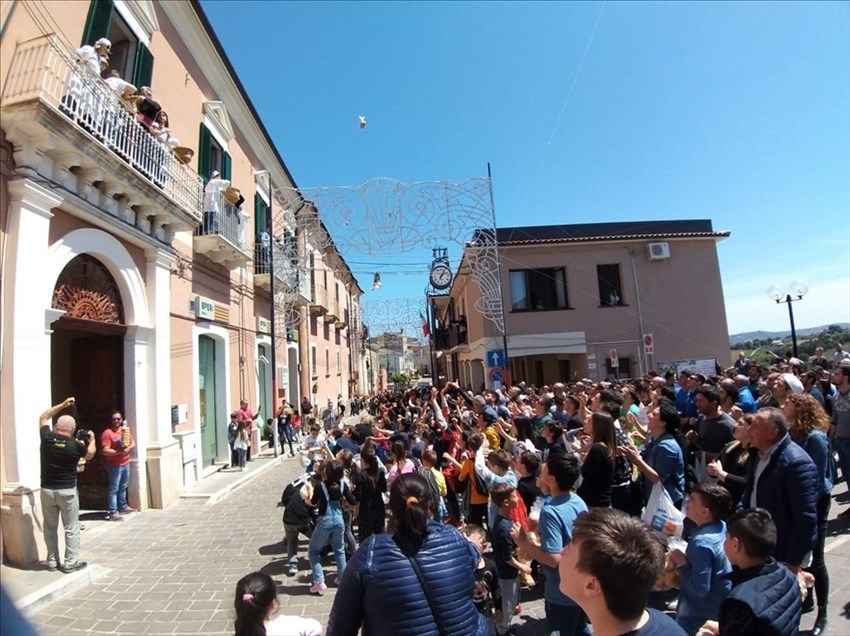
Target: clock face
{"type": "Point", "coordinates": [441, 277]}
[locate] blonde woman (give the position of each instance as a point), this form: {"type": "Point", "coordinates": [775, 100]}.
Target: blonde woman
{"type": "Point", "coordinates": [808, 423]}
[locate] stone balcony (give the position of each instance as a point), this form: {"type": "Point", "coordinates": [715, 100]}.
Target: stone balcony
{"type": "Point", "coordinates": [69, 127]}
{"type": "Point", "coordinates": [318, 302]}
{"type": "Point", "coordinates": [223, 237]}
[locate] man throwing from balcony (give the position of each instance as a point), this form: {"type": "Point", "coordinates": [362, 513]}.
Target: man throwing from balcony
{"type": "Point", "coordinates": [60, 454]}
{"type": "Point", "coordinates": [212, 202]}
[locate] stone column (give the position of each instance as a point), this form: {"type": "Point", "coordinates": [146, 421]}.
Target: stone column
{"type": "Point", "coordinates": [26, 356]}
{"type": "Point", "coordinates": [137, 408]}
{"type": "Point", "coordinates": [164, 459]}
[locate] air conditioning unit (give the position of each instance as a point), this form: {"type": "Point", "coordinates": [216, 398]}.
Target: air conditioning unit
{"type": "Point", "coordinates": [658, 251]}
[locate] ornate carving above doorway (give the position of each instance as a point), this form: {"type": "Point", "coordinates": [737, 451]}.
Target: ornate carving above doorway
{"type": "Point", "coordinates": [86, 290]}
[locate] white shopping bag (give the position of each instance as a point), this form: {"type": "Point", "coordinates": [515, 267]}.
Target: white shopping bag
{"type": "Point", "coordinates": [661, 515]}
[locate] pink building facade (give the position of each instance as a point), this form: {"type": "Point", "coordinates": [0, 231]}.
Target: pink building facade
{"type": "Point", "coordinates": [128, 280]}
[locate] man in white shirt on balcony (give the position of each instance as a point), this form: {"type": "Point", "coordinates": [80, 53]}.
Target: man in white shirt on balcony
{"type": "Point", "coordinates": [212, 202]}
{"type": "Point", "coordinates": [80, 100]}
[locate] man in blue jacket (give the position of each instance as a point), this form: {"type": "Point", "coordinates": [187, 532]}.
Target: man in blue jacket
{"type": "Point", "coordinates": [782, 479]}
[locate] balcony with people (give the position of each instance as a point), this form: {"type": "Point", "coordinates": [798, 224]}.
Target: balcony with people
{"type": "Point", "coordinates": [102, 138]}
{"type": "Point", "coordinates": [223, 235]}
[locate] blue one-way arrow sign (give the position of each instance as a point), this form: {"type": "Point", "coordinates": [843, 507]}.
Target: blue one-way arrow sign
{"type": "Point", "coordinates": [496, 358]}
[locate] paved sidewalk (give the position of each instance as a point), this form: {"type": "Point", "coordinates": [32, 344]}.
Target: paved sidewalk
{"type": "Point", "coordinates": [174, 571]}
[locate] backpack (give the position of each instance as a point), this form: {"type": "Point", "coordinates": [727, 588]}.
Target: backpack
{"type": "Point", "coordinates": [434, 489]}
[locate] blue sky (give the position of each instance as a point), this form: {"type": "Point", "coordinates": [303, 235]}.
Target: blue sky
{"type": "Point", "coordinates": [588, 112]}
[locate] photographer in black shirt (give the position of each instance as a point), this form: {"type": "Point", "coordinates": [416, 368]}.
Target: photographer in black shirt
{"type": "Point", "coordinates": [61, 452]}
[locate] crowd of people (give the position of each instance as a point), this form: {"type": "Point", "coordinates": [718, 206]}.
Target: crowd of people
{"type": "Point", "coordinates": [443, 504]}
{"type": "Point", "coordinates": [459, 500]}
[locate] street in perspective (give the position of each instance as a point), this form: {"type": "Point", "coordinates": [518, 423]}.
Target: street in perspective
{"type": "Point", "coordinates": [424, 318]}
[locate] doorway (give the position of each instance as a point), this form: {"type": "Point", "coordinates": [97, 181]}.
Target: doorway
{"type": "Point", "coordinates": [87, 362]}
{"type": "Point", "coordinates": [87, 359]}
{"type": "Point", "coordinates": [264, 380]}
{"type": "Point", "coordinates": [207, 385]}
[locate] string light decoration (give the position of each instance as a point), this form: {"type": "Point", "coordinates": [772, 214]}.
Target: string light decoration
{"type": "Point", "coordinates": [394, 315]}
{"type": "Point", "coordinates": [384, 216]}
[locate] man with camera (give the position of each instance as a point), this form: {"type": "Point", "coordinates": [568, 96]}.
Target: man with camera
{"type": "Point", "coordinates": [61, 451]}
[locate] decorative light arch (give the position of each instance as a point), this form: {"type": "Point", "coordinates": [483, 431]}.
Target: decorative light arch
{"type": "Point", "coordinates": [384, 216]}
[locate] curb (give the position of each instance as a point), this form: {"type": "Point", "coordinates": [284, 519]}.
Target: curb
{"type": "Point", "coordinates": [59, 587]}
{"type": "Point", "coordinates": [214, 497]}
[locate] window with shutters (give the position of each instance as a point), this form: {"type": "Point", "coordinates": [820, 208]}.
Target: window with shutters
{"type": "Point", "coordinates": [129, 55]}
{"type": "Point", "coordinates": [211, 156]}
{"type": "Point", "coordinates": [261, 215]}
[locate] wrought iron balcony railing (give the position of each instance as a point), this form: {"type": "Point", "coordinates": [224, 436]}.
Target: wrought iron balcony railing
{"type": "Point", "coordinates": [42, 71]}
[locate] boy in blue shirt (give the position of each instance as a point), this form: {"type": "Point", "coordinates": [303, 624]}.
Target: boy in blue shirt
{"type": "Point", "coordinates": [703, 565]}
{"type": "Point", "coordinates": [557, 477]}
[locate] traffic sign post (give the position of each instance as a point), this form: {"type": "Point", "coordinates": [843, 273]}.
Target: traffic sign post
{"type": "Point", "coordinates": [496, 358]}
{"type": "Point", "coordinates": [648, 344]}
{"type": "Point", "coordinates": [497, 376]}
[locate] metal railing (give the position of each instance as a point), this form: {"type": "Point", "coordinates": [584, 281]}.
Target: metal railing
{"type": "Point", "coordinates": [42, 70]}
{"type": "Point", "coordinates": [222, 218]}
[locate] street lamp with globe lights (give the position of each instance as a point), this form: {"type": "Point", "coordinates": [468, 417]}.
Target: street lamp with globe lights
{"type": "Point", "coordinates": [795, 292]}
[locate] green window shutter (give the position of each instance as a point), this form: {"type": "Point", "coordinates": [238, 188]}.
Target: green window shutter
{"type": "Point", "coordinates": [204, 144]}
{"type": "Point", "coordinates": [225, 166]}
{"type": "Point", "coordinates": [260, 215]}
{"type": "Point", "coordinates": [144, 66]}
{"type": "Point", "coordinates": [98, 21]}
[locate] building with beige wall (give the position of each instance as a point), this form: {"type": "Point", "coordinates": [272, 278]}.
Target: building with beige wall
{"type": "Point", "coordinates": [572, 293]}
{"type": "Point", "coordinates": [130, 282]}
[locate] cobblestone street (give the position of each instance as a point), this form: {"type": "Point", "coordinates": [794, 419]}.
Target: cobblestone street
{"type": "Point", "coordinates": [174, 571]}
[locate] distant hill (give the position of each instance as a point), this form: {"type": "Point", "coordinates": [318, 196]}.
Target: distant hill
{"type": "Point", "coordinates": [763, 335]}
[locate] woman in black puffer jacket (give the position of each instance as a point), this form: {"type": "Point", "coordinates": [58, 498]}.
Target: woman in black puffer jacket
{"type": "Point", "coordinates": [381, 590]}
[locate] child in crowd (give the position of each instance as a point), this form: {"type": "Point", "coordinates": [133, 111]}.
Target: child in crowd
{"type": "Point", "coordinates": [703, 565]}
{"type": "Point", "coordinates": [313, 448]}
{"type": "Point", "coordinates": [402, 464]}
{"type": "Point", "coordinates": [437, 483]}
{"type": "Point", "coordinates": [526, 467]}
{"type": "Point", "coordinates": [330, 527]}
{"type": "Point", "coordinates": [477, 499]}
{"type": "Point", "coordinates": [609, 568]}
{"type": "Point", "coordinates": [505, 497]}
{"type": "Point", "coordinates": [765, 595]}
{"type": "Point", "coordinates": [256, 602]}
{"type": "Point", "coordinates": [486, 595]}
{"type": "Point", "coordinates": [240, 444]}
{"type": "Point", "coordinates": [298, 515]}
{"type": "Point", "coordinates": [495, 469]}
{"type": "Point", "coordinates": [231, 437]}
{"type": "Point", "coordinates": [296, 427]}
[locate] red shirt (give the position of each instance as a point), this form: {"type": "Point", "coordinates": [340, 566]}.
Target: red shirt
{"type": "Point", "coordinates": [245, 415]}
{"type": "Point", "coordinates": [112, 439]}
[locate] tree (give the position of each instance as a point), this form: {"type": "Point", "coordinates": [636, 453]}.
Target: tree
{"type": "Point", "coordinates": [401, 380]}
